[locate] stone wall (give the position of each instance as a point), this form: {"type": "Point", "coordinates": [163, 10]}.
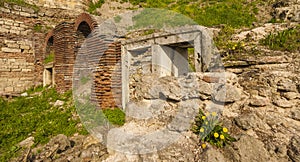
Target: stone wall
{"type": "Point", "coordinates": [22, 44]}
{"type": "Point", "coordinates": [78, 5]}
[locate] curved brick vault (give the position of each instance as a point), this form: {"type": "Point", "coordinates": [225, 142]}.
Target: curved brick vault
{"type": "Point", "coordinates": [67, 39]}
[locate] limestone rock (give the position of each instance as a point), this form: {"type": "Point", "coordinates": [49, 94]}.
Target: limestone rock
{"type": "Point", "coordinates": [227, 94]}
{"type": "Point", "coordinates": [258, 101]}
{"type": "Point", "coordinates": [287, 85]}
{"type": "Point", "coordinates": [248, 121]}
{"type": "Point", "coordinates": [295, 114]}
{"type": "Point", "coordinates": [294, 149]}
{"type": "Point", "coordinates": [28, 142]}
{"type": "Point", "coordinates": [62, 141]}
{"type": "Point", "coordinates": [251, 149]}
{"type": "Point", "coordinates": [282, 102]}
{"type": "Point", "coordinates": [291, 95]}
{"type": "Point", "coordinates": [58, 103]}
{"type": "Point", "coordinates": [212, 155]}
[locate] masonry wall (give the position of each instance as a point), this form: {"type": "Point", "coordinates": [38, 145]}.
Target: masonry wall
{"type": "Point", "coordinates": [22, 36]}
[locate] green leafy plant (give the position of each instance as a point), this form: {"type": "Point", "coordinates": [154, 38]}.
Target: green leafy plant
{"type": "Point", "coordinates": [210, 130]}
{"type": "Point", "coordinates": [93, 6]}
{"type": "Point", "coordinates": [37, 27]}
{"type": "Point", "coordinates": [287, 40]}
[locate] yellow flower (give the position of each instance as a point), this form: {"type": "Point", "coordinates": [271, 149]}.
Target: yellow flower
{"type": "Point", "coordinates": [222, 137]}
{"type": "Point", "coordinates": [203, 145]}
{"type": "Point", "coordinates": [243, 44]}
{"type": "Point", "coordinates": [214, 114]}
{"type": "Point", "coordinates": [233, 48]}
{"type": "Point", "coordinates": [206, 122]}
{"type": "Point", "coordinates": [201, 130]}
{"type": "Point", "coordinates": [203, 117]}
{"type": "Point", "coordinates": [216, 135]}
{"type": "Point", "coordinates": [225, 130]}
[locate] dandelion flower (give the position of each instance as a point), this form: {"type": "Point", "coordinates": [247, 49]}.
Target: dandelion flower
{"type": "Point", "coordinates": [203, 145]}
{"type": "Point", "coordinates": [233, 48]}
{"type": "Point", "coordinates": [216, 135]}
{"type": "Point", "coordinates": [206, 123]}
{"type": "Point", "coordinates": [222, 136]}
{"type": "Point", "coordinates": [203, 117]}
{"type": "Point", "coordinates": [201, 130]}
{"type": "Point", "coordinates": [225, 130]}
{"type": "Point", "coordinates": [214, 114]}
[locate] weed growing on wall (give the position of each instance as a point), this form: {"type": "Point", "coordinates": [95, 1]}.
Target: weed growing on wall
{"type": "Point", "coordinates": [93, 6]}
{"type": "Point", "coordinates": [210, 130]}
{"type": "Point", "coordinates": [287, 40]}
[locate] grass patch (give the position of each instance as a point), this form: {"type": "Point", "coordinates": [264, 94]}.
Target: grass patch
{"type": "Point", "coordinates": [236, 13]}
{"type": "Point", "coordinates": [35, 116]}
{"type": "Point", "coordinates": [37, 27]}
{"type": "Point", "coordinates": [49, 58]}
{"type": "Point", "coordinates": [19, 3]}
{"type": "Point", "coordinates": [115, 116]}
{"type": "Point", "coordinates": [287, 40]}
{"type": "Point", "coordinates": [93, 6]}
{"type": "Point", "coordinates": [158, 18]}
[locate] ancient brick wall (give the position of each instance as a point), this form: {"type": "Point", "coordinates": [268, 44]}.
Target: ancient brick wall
{"type": "Point", "coordinates": [108, 77]}
{"type": "Point", "coordinates": [64, 55]}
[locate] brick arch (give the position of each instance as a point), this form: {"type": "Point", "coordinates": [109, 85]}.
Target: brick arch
{"type": "Point", "coordinates": [84, 17]}
{"type": "Point", "coordinates": [48, 36]}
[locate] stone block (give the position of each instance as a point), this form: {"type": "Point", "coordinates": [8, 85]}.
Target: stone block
{"type": "Point", "coordinates": [16, 70]}
{"type": "Point", "coordinates": [4, 30]}
{"type": "Point", "coordinates": [1, 22]}
{"type": "Point", "coordinates": [25, 47]}
{"type": "Point", "coordinates": [5, 70]}
{"type": "Point", "coordinates": [10, 50]}
{"type": "Point", "coordinates": [26, 70]}
{"type": "Point", "coordinates": [28, 10]}
{"type": "Point", "coordinates": [17, 8]}
{"type": "Point", "coordinates": [9, 89]}
{"type": "Point", "coordinates": [23, 26]}
{"type": "Point", "coordinates": [8, 22]}
{"type": "Point", "coordinates": [34, 15]}
{"type": "Point", "coordinates": [9, 41]}
{"type": "Point", "coordinates": [25, 14]}
{"type": "Point", "coordinates": [15, 12]}
{"type": "Point", "coordinates": [11, 60]}
{"type": "Point", "coordinates": [15, 31]}
{"type": "Point", "coordinates": [6, 10]}
{"type": "Point", "coordinates": [10, 45]}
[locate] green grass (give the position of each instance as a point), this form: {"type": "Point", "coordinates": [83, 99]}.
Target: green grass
{"type": "Point", "coordinates": [287, 40]}
{"type": "Point", "coordinates": [49, 58]}
{"type": "Point", "coordinates": [93, 6]}
{"type": "Point", "coordinates": [158, 18]}
{"type": "Point", "coordinates": [115, 116]}
{"type": "Point", "coordinates": [35, 116]}
{"type": "Point", "coordinates": [20, 3]}
{"type": "Point", "coordinates": [235, 13]}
